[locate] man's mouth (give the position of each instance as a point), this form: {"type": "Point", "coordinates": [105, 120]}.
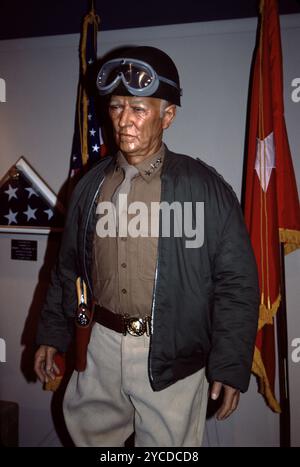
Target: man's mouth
{"type": "Point", "coordinates": [126, 137]}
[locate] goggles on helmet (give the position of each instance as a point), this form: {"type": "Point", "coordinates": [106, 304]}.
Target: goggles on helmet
{"type": "Point", "coordinates": [139, 78]}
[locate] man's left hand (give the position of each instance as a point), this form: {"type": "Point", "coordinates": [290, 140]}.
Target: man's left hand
{"type": "Point", "coordinates": [230, 401]}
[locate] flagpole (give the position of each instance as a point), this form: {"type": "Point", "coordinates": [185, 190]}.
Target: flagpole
{"type": "Point", "coordinates": [283, 370]}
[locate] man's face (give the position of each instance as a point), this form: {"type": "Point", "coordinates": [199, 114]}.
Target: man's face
{"type": "Point", "coordinates": [138, 125]}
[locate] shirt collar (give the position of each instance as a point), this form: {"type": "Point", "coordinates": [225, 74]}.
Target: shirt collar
{"type": "Point", "coordinates": [149, 167]}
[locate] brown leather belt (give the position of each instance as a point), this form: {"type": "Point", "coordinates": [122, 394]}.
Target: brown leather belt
{"type": "Point", "coordinates": [122, 323]}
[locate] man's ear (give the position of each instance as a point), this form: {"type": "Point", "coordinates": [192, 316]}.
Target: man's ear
{"type": "Point", "coordinates": [169, 115]}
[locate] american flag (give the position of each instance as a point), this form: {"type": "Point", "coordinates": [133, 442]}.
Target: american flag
{"type": "Point", "coordinates": [88, 144]}
{"type": "Point", "coordinates": [26, 201]}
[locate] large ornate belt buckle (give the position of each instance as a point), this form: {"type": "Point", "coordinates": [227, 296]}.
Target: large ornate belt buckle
{"type": "Point", "coordinates": [135, 326]}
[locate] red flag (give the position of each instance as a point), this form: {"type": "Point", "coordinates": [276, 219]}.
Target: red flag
{"type": "Point", "coordinates": [271, 200]}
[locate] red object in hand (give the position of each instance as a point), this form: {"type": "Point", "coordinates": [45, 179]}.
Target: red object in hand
{"type": "Point", "coordinates": [60, 362]}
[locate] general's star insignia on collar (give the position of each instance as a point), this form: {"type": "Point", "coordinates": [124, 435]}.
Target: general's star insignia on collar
{"type": "Point", "coordinates": [153, 166]}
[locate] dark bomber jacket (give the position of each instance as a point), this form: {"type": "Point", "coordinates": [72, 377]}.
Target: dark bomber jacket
{"type": "Point", "coordinates": [205, 300]}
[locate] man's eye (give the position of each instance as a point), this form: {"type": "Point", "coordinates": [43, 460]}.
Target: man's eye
{"type": "Point", "coordinates": [114, 107]}
{"type": "Point", "coordinates": [138, 109]}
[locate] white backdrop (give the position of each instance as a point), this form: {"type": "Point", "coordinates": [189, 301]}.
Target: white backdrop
{"type": "Point", "coordinates": [41, 76]}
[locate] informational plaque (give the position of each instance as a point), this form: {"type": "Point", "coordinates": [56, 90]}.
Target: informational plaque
{"type": "Point", "coordinates": [25, 250]}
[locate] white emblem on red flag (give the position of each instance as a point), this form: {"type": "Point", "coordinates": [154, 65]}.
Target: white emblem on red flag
{"type": "Point", "coordinates": [265, 160]}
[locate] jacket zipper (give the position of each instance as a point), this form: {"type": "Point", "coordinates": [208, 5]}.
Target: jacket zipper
{"type": "Point", "coordinates": [84, 237]}
{"type": "Point", "coordinates": [152, 314]}
{"type": "Point", "coordinates": [154, 298]}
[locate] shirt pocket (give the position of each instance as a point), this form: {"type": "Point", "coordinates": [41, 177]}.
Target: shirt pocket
{"type": "Point", "coordinates": [147, 256]}
{"type": "Point", "coordinates": [105, 255]}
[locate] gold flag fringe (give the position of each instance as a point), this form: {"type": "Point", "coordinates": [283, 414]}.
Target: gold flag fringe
{"type": "Point", "coordinates": [266, 315]}
{"type": "Point", "coordinates": [258, 369]}
{"type": "Point", "coordinates": [290, 238]}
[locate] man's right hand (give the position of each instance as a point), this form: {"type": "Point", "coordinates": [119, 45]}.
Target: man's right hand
{"type": "Point", "coordinates": [44, 364]}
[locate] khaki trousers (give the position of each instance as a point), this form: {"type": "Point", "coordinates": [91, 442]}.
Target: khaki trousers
{"type": "Point", "coordinates": [112, 398]}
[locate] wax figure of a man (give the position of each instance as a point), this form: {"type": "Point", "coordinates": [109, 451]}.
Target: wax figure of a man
{"type": "Point", "coordinates": [176, 306]}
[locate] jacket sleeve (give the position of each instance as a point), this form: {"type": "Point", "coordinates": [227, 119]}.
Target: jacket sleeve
{"type": "Point", "coordinates": [55, 328]}
{"type": "Point", "coordinates": [236, 305]}
{"type": "Point", "coordinates": [56, 321]}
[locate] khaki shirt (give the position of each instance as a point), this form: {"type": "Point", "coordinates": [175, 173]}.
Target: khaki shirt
{"type": "Point", "coordinates": [124, 267]}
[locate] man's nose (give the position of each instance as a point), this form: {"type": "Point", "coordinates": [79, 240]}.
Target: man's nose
{"type": "Point", "coordinates": [125, 118]}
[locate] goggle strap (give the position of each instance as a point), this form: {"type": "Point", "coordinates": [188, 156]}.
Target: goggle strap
{"type": "Point", "coordinates": [170, 82]}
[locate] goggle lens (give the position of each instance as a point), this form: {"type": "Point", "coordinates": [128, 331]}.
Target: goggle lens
{"type": "Point", "coordinates": [136, 78]}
